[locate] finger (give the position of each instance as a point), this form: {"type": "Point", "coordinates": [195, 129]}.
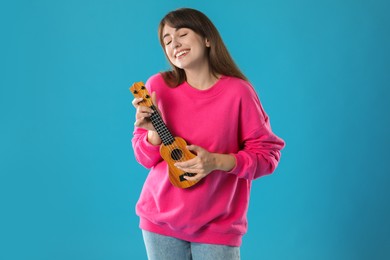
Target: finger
{"type": "Point", "coordinates": [189, 164]}
{"type": "Point", "coordinates": [197, 177]}
{"type": "Point", "coordinates": [136, 102]}
{"type": "Point", "coordinates": [194, 148]}
{"type": "Point", "coordinates": [142, 116]}
{"type": "Point", "coordinates": [145, 110]}
{"type": "Point", "coordinates": [191, 170]}
{"type": "Point", "coordinates": [143, 123]}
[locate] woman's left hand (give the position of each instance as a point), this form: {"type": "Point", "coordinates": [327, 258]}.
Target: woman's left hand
{"type": "Point", "coordinates": [204, 163]}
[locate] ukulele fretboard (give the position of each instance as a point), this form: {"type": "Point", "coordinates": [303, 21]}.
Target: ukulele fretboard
{"type": "Point", "coordinates": [162, 130]}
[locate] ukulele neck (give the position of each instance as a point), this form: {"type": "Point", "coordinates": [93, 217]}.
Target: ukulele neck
{"type": "Point", "coordinates": [162, 130]}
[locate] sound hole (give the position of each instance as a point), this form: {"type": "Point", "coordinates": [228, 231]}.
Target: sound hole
{"type": "Point", "coordinates": [176, 154]}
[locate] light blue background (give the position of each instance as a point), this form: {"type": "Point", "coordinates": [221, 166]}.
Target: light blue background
{"type": "Point", "coordinates": [69, 181]}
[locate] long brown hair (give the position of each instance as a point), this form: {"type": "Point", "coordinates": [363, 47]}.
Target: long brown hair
{"type": "Point", "coordinates": [219, 58]}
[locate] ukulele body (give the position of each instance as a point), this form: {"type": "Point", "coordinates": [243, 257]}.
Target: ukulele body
{"type": "Point", "coordinates": [177, 152]}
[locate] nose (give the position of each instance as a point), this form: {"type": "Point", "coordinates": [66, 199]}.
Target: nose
{"type": "Point", "coordinates": [175, 43]}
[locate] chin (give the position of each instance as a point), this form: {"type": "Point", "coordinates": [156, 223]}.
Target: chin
{"type": "Point", "coordinates": [180, 66]}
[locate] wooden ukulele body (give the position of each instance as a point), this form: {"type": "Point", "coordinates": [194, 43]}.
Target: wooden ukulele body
{"type": "Point", "coordinates": [177, 152]}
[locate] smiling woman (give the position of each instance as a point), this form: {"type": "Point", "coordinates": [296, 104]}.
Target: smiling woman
{"type": "Point", "coordinates": [231, 148]}
{"type": "Point", "coordinates": [179, 24]}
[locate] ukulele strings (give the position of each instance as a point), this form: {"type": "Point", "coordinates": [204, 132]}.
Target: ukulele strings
{"type": "Point", "coordinates": [174, 150]}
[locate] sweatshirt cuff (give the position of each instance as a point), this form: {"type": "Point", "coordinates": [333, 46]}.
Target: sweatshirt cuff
{"type": "Point", "coordinates": [150, 147]}
{"type": "Point", "coordinates": [238, 167]}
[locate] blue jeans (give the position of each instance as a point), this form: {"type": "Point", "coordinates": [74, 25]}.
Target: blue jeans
{"type": "Point", "coordinates": [159, 247]}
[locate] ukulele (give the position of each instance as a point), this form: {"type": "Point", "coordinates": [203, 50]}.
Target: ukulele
{"type": "Point", "coordinates": [172, 149]}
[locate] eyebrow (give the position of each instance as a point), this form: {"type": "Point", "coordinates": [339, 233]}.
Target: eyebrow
{"type": "Point", "coordinates": [165, 35]}
{"type": "Point", "coordinates": [176, 29]}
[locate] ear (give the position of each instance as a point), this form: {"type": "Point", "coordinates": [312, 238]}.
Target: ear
{"type": "Point", "coordinates": [207, 42]}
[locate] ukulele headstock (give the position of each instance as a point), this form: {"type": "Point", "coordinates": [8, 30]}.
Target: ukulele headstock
{"type": "Point", "coordinates": [139, 90]}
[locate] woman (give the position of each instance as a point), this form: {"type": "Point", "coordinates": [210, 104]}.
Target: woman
{"type": "Point", "coordinates": [206, 100]}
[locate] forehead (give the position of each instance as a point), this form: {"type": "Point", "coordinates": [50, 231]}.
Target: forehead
{"type": "Point", "coordinates": [169, 30]}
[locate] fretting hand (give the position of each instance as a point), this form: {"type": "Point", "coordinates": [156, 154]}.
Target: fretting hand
{"type": "Point", "coordinates": [142, 118]}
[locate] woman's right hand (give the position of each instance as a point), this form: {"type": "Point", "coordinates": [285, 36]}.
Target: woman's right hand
{"type": "Point", "coordinates": [142, 115]}
{"type": "Point", "coordinates": [142, 118]}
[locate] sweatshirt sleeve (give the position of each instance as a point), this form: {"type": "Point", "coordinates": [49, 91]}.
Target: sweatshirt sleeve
{"type": "Point", "coordinates": [147, 154]}
{"type": "Point", "coordinates": [260, 154]}
{"type": "Point", "coordinates": [260, 147]}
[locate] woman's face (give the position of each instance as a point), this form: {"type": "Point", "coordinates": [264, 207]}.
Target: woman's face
{"type": "Point", "coordinates": [184, 48]}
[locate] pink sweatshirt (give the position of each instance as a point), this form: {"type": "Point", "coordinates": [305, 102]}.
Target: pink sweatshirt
{"type": "Point", "coordinates": [226, 118]}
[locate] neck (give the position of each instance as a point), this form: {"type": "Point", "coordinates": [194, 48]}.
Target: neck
{"type": "Point", "coordinates": [201, 79]}
{"type": "Point", "coordinates": [202, 83]}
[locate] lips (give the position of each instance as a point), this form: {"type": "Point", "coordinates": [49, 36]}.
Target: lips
{"type": "Point", "coordinates": [181, 53]}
